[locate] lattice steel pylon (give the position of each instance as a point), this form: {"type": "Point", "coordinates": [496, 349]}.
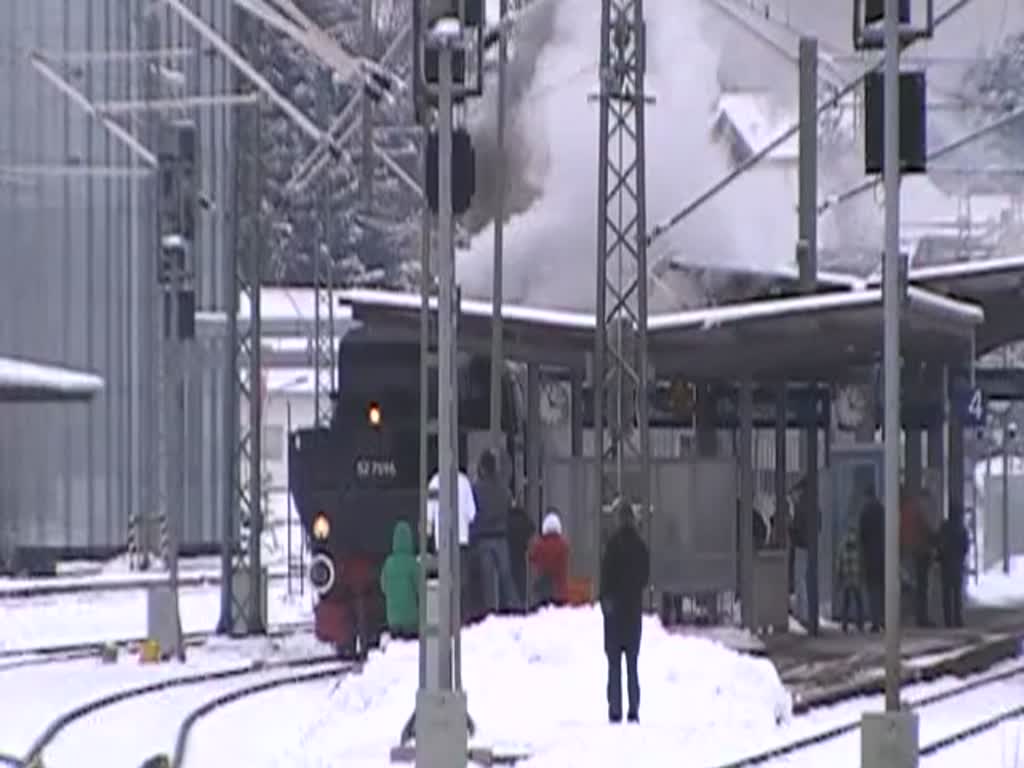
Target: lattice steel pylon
{"type": "Point", "coordinates": [620, 355]}
{"type": "Point", "coordinates": [242, 588]}
{"type": "Point", "coordinates": [324, 343]}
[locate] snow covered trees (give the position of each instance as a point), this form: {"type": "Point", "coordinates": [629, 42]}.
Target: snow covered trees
{"type": "Point", "coordinates": [996, 85]}
{"type": "Point", "coordinates": [363, 246]}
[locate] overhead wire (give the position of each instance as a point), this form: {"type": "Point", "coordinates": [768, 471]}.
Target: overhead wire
{"type": "Point", "coordinates": [873, 182]}
{"type": "Point", "coordinates": [782, 138]}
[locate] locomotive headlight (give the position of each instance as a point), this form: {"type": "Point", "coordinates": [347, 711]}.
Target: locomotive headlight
{"type": "Point", "coordinates": [373, 415]}
{"type": "Point", "coordinates": [321, 527]}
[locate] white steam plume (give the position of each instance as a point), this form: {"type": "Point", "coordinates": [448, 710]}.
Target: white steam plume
{"type": "Point", "coordinates": [550, 248]}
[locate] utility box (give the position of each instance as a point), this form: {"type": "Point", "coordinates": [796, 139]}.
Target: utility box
{"type": "Point", "coordinates": [245, 590]}
{"type": "Point", "coordinates": [161, 621]}
{"type": "Point", "coordinates": [771, 590]}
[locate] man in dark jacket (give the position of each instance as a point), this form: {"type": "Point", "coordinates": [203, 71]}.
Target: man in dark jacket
{"type": "Point", "coordinates": [872, 550]}
{"type": "Point", "coordinates": [953, 546]}
{"type": "Point", "coordinates": [520, 533]}
{"type": "Point", "coordinates": [625, 571]}
{"type": "Point", "coordinates": [490, 534]}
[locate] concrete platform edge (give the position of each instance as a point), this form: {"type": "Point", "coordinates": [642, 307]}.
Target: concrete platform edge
{"type": "Point", "coordinates": [971, 660]}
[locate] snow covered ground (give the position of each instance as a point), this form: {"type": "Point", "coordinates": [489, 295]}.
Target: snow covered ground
{"type": "Point", "coordinates": [535, 684]}
{"type": "Point", "coordinates": [1002, 747]}
{"type": "Point", "coordinates": [995, 588]}
{"type": "Point", "coordinates": [34, 695]}
{"type": "Point", "coordinates": [97, 616]}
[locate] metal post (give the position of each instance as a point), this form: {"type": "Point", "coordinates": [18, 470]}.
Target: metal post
{"type": "Point", "coordinates": [533, 458]}
{"type": "Point", "coordinates": [807, 251]}
{"type": "Point", "coordinates": [425, 366]}
{"type": "Point", "coordinates": [497, 287]}
{"type": "Point", "coordinates": [441, 714]}
{"type": "Point", "coordinates": [891, 354]}
{"type": "Point", "coordinates": [748, 603]}
{"type": "Point", "coordinates": [288, 501]}
{"type": "Point", "coordinates": [1006, 494]}
{"type": "Point", "coordinates": [445, 438]}
{"type": "Point", "coordinates": [780, 526]}
{"type": "Point", "coordinates": [620, 350]}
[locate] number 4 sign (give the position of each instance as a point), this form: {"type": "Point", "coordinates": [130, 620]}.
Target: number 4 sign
{"type": "Point", "coordinates": [973, 407]}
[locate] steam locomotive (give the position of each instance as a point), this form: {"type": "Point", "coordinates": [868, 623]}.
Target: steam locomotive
{"type": "Point", "coordinates": [355, 479]}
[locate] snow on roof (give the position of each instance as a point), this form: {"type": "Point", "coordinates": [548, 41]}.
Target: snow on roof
{"type": "Point", "coordinates": [399, 301]}
{"type": "Point", "coordinates": [289, 381]}
{"type": "Point", "coordinates": [759, 120]}
{"type": "Point", "coordinates": [21, 379]}
{"type": "Point", "coordinates": [806, 305]}
{"type": "Point", "coordinates": [290, 303]}
{"type": "Point", "coordinates": [969, 269]}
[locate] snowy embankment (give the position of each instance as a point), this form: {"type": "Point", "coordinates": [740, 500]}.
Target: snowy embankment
{"type": "Point", "coordinates": [537, 685]}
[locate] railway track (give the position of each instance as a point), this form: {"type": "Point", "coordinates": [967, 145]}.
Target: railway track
{"type": "Point", "coordinates": [816, 740]}
{"type": "Point", "coordinates": [177, 760]}
{"type": "Point", "coordinates": [269, 675]}
{"type": "Point", "coordinates": [973, 730]}
{"type": "Point", "coordinates": [14, 658]}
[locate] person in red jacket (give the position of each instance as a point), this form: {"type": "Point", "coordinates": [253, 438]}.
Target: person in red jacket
{"type": "Point", "coordinates": [549, 558]}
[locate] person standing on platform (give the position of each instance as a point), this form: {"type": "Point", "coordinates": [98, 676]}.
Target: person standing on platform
{"type": "Point", "coordinates": [848, 574]}
{"type": "Point", "coordinates": [803, 507]}
{"type": "Point", "coordinates": [872, 549]}
{"type": "Point", "coordinates": [916, 540]}
{"type": "Point", "coordinates": [466, 515]}
{"type": "Point", "coordinates": [399, 581]}
{"type": "Point", "coordinates": [520, 533]}
{"type": "Point", "coordinates": [625, 571]}
{"type": "Point", "coordinates": [953, 545]}
{"type": "Point", "coordinates": [549, 557]}
{"type": "Point", "coordinates": [490, 537]}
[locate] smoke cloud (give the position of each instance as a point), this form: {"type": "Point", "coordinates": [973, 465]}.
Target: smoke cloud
{"type": "Point", "coordinates": [550, 235]}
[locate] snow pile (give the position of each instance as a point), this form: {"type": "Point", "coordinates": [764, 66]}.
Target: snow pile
{"type": "Point", "coordinates": [996, 588]}
{"type": "Point", "coordinates": [537, 685]}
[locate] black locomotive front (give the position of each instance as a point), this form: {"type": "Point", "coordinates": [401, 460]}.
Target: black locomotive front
{"type": "Point", "coordinates": [354, 480]}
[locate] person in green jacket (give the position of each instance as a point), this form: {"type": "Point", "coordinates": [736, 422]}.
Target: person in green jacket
{"type": "Point", "coordinates": [398, 582]}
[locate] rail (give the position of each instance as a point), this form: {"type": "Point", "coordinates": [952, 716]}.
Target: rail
{"type": "Point", "coordinates": [33, 757]}
{"type": "Point", "coordinates": [184, 731]}
{"type": "Point", "coordinates": [71, 585]}
{"type": "Point", "coordinates": [13, 658]}
{"type": "Point", "coordinates": [830, 734]}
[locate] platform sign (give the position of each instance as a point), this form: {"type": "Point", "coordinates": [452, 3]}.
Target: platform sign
{"type": "Point", "coordinates": [970, 405]}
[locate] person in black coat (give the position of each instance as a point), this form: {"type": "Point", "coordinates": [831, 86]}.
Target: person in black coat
{"type": "Point", "coordinates": [625, 571]}
{"type": "Point", "coordinates": [872, 549]}
{"type": "Point", "coordinates": [953, 546]}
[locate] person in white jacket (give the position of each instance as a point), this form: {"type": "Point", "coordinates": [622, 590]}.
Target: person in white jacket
{"type": "Point", "coordinates": [467, 514]}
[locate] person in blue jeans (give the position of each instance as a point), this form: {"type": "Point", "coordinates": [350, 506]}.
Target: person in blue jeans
{"type": "Point", "coordinates": [490, 538]}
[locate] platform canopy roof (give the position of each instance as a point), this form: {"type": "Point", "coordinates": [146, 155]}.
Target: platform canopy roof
{"type": "Point", "coordinates": [23, 381]}
{"type": "Point", "coordinates": [809, 336]}
{"type": "Point", "coordinates": [996, 285]}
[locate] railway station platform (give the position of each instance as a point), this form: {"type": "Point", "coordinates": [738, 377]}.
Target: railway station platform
{"type": "Point", "coordinates": [832, 666]}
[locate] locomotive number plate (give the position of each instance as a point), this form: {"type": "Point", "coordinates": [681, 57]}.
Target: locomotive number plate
{"type": "Point", "coordinates": [376, 469]}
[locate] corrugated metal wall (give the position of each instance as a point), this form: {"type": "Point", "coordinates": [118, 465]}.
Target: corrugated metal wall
{"type": "Point", "coordinates": [77, 281]}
